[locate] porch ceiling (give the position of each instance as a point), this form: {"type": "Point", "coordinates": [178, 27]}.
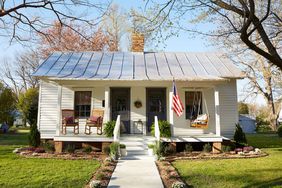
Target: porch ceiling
{"type": "Point", "coordinates": [137, 66]}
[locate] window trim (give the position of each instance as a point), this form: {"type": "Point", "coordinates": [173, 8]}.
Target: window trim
{"type": "Point", "coordinates": [91, 101]}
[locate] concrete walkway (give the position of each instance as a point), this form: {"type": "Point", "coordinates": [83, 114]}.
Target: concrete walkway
{"type": "Point", "coordinates": [136, 171]}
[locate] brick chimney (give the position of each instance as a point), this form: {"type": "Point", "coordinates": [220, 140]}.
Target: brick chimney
{"type": "Point", "coordinates": [137, 42]}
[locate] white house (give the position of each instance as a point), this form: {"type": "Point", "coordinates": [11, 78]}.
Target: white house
{"type": "Point", "coordinates": [114, 81]}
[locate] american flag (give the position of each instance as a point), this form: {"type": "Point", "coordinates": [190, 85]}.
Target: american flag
{"type": "Point", "coordinates": [177, 105]}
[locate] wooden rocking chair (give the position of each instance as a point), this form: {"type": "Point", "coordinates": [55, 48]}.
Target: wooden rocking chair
{"type": "Point", "coordinates": [95, 120]}
{"type": "Point", "coordinates": [68, 120]}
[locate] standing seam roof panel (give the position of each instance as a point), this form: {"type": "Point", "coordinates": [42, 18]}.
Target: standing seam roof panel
{"type": "Point", "coordinates": [70, 65]}
{"type": "Point", "coordinates": [116, 68]}
{"type": "Point", "coordinates": [219, 65]}
{"type": "Point", "coordinates": [163, 67]}
{"type": "Point", "coordinates": [105, 65]}
{"type": "Point", "coordinates": [185, 64]}
{"type": "Point", "coordinates": [46, 65]}
{"type": "Point", "coordinates": [82, 65]}
{"type": "Point", "coordinates": [211, 70]}
{"type": "Point", "coordinates": [235, 71]}
{"type": "Point", "coordinates": [60, 63]}
{"type": "Point", "coordinates": [174, 65]}
{"type": "Point", "coordinates": [200, 71]}
{"type": "Point", "coordinates": [140, 72]}
{"type": "Point", "coordinates": [152, 69]}
{"type": "Point", "coordinates": [127, 68]}
{"type": "Point", "coordinates": [92, 67]}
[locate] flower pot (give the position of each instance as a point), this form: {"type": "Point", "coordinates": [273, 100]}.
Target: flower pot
{"type": "Point", "coordinates": [123, 152]}
{"type": "Point", "coordinates": [150, 152]}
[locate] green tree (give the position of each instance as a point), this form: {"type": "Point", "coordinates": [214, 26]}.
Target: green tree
{"type": "Point", "coordinates": [28, 105]}
{"type": "Point", "coordinates": [243, 108]}
{"type": "Point", "coordinates": [7, 104]}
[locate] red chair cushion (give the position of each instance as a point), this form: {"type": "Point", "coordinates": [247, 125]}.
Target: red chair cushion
{"type": "Point", "coordinates": [69, 120]}
{"type": "Point", "coordinates": [94, 119]}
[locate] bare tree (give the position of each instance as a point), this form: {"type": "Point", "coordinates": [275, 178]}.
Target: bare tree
{"type": "Point", "coordinates": [243, 18]}
{"type": "Point", "coordinates": [19, 20]}
{"type": "Point", "coordinates": [17, 74]}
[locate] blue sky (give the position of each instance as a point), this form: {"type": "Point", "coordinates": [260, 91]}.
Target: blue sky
{"type": "Point", "coordinates": [183, 42]}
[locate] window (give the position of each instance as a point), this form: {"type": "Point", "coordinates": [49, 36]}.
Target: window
{"type": "Point", "coordinates": [193, 104]}
{"type": "Point", "coordinates": [82, 104]}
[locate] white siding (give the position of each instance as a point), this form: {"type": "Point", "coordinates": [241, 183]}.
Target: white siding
{"type": "Point", "coordinates": [228, 108]}
{"type": "Point", "coordinates": [48, 110]}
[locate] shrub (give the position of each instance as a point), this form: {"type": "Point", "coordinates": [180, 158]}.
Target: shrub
{"type": "Point", "coordinates": [164, 129]}
{"type": "Point", "coordinates": [151, 146]}
{"type": "Point", "coordinates": [160, 149]}
{"type": "Point", "coordinates": [279, 131]}
{"type": "Point", "coordinates": [207, 148]}
{"type": "Point", "coordinates": [109, 128]}
{"type": "Point", "coordinates": [100, 176]}
{"type": "Point", "coordinates": [34, 136]}
{"type": "Point", "coordinates": [114, 150]}
{"type": "Point", "coordinates": [122, 146]}
{"type": "Point", "coordinates": [178, 184]}
{"type": "Point", "coordinates": [87, 149]}
{"type": "Point", "coordinates": [49, 147]}
{"type": "Point", "coordinates": [226, 148]}
{"type": "Point", "coordinates": [13, 129]}
{"type": "Point", "coordinates": [168, 150]}
{"type": "Point", "coordinates": [188, 148]}
{"type": "Point", "coordinates": [239, 135]}
{"type": "Point", "coordinates": [107, 150]}
{"type": "Point", "coordinates": [70, 148]}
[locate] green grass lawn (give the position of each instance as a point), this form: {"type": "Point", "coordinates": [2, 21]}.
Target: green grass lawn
{"type": "Point", "coordinates": [256, 172]}
{"type": "Point", "coordinates": [16, 171]}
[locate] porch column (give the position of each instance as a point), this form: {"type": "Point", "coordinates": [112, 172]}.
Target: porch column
{"type": "Point", "coordinates": [217, 111]}
{"type": "Point", "coordinates": [107, 104]}
{"type": "Point", "coordinates": [171, 111]}
{"type": "Point", "coordinates": [59, 110]}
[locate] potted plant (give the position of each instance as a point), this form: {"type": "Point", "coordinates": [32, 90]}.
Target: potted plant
{"type": "Point", "coordinates": [114, 150]}
{"type": "Point", "coordinates": [151, 149]}
{"type": "Point", "coordinates": [122, 150]}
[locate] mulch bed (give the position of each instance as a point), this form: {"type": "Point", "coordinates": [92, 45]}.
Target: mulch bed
{"type": "Point", "coordinates": [103, 174]}
{"type": "Point", "coordinates": [202, 155]}
{"type": "Point", "coordinates": [168, 173]}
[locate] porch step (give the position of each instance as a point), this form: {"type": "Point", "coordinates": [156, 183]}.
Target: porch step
{"type": "Point", "coordinates": [136, 145]}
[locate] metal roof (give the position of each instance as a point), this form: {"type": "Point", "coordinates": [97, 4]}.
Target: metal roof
{"type": "Point", "coordinates": [137, 66]}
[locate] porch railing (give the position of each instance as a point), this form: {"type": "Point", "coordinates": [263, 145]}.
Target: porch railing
{"type": "Point", "coordinates": [157, 129]}
{"type": "Point", "coordinates": [117, 129]}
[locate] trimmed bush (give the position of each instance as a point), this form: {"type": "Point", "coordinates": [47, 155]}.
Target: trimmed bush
{"type": "Point", "coordinates": [207, 148]}
{"type": "Point", "coordinates": [49, 147]}
{"type": "Point", "coordinates": [279, 131]}
{"type": "Point", "coordinates": [34, 136]}
{"type": "Point", "coordinates": [239, 135]}
{"type": "Point", "coordinates": [107, 150]}
{"type": "Point", "coordinates": [114, 150]}
{"type": "Point", "coordinates": [109, 128]}
{"type": "Point", "coordinates": [87, 149]}
{"type": "Point", "coordinates": [160, 149]}
{"type": "Point", "coordinates": [70, 148]}
{"type": "Point", "coordinates": [226, 148]}
{"type": "Point", "coordinates": [188, 148]}
{"type": "Point", "coordinates": [164, 129]}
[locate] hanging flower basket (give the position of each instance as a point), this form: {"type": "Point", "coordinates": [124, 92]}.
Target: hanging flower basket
{"type": "Point", "coordinates": [138, 104]}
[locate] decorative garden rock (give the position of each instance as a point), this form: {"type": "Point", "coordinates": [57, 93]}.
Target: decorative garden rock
{"type": "Point", "coordinates": [95, 184]}
{"type": "Point", "coordinates": [178, 184]}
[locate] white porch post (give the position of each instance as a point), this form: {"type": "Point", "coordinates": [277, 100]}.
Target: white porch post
{"type": "Point", "coordinates": [217, 111]}
{"type": "Point", "coordinates": [59, 110]}
{"type": "Point", "coordinates": [107, 104]}
{"type": "Point", "coordinates": [171, 111]}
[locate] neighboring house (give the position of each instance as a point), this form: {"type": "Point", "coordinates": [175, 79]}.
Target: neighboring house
{"type": "Point", "coordinates": [114, 81]}
{"type": "Point", "coordinates": [279, 119]}
{"type": "Point", "coordinates": [248, 123]}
